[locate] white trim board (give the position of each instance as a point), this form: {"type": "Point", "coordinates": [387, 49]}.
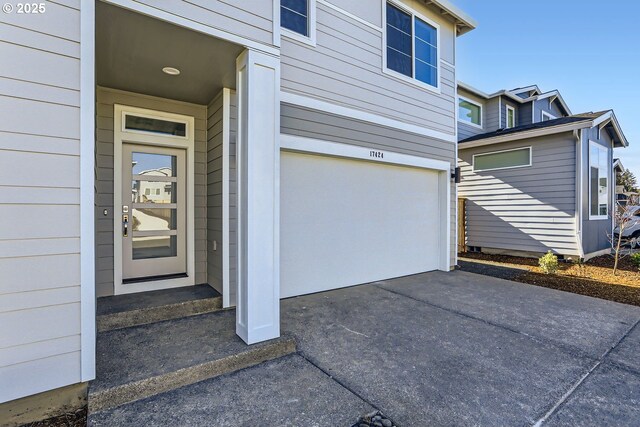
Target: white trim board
{"type": "Point", "coordinates": [350, 15]}
{"type": "Point", "coordinates": [316, 146]}
{"type": "Point", "coordinates": [226, 155]}
{"type": "Point", "coordinates": [119, 137]}
{"type": "Point", "coordinates": [87, 194]}
{"type": "Point", "coordinates": [192, 25]}
{"type": "Point", "coordinates": [328, 107]}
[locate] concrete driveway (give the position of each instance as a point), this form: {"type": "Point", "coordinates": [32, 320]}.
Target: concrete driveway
{"type": "Point", "coordinates": [437, 349]}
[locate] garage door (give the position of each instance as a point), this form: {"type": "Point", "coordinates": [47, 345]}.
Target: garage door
{"type": "Point", "coordinates": [346, 222]}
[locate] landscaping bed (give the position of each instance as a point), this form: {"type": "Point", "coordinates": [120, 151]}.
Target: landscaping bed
{"type": "Point", "coordinates": [594, 278]}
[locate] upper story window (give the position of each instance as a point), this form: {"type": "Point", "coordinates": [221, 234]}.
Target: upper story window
{"type": "Point", "coordinates": [504, 159]}
{"type": "Point", "coordinates": [469, 112]}
{"type": "Point", "coordinates": [412, 45]}
{"type": "Point", "coordinates": [547, 116]}
{"type": "Point", "coordinates": [511, 117]}
{"type": "Point", "coordinates": [598, 181]}
{"type": "Point", "coordinates": [297, 18]}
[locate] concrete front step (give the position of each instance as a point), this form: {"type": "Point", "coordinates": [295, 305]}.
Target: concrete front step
{"type": "Point", "coordinates": [146, 360]}
{"type": "Point", "coordinates": [124, 311]}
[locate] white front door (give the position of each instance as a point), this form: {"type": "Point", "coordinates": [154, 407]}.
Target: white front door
{"type": "Point", "coordinates": [153, 200]}
{"type": "Point", "coordinates": [153, 213]}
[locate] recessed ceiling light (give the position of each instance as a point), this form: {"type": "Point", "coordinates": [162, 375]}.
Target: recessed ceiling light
{"type": "Point", "coordinates": [171, 71]}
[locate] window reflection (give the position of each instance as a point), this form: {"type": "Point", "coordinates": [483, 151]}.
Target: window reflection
{"type": "Point", "coordinates": [154, 219]}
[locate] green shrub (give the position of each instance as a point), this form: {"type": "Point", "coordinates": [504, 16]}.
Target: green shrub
{"type": "Point", "coordinates": [549, 263]}
{"type": "Point", "coordinates": [635, 258]}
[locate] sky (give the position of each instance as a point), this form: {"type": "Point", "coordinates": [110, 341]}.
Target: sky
{"type": "Point", "coordinates": [589, 50]}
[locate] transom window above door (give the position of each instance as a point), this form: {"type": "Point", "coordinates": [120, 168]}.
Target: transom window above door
{"type": "Point", "coordinates": [411, 46]}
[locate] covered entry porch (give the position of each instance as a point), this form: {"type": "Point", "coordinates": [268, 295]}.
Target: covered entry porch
{"type": "Point", "coordinates": [182, 118]}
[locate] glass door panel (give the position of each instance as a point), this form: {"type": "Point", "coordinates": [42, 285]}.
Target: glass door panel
{"type": "Point", "coordinates": [153, 212]}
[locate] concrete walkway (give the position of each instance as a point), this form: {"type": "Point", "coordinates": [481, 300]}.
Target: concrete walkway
{"type": "Point", "coordinates": [438, 349]}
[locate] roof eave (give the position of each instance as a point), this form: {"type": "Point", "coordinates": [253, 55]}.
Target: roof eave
{"type": "Point", "coordinates": [610, 116]}
{"type": "Point", "coordinates": [464, 22]}
{"type": "Point", "coordinates": [534, 133]}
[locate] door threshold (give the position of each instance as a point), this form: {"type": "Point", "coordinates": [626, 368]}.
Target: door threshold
{"type": "Point", "coordinates": [154, 278]}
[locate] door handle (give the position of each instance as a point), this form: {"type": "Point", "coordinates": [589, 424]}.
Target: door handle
{"type": "Point", "coordinates": [125, 225]}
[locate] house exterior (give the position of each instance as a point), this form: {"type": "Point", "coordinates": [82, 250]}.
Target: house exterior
{"type": "Point", "coordinates": [535, 177]}
{"type": "Point", "coordinates": [268, 149]}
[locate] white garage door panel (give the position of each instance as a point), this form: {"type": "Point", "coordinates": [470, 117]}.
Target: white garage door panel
{"type": "Point", "coordinates": [346, 222]}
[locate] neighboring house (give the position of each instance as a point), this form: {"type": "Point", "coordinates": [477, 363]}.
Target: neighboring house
{"type": "Point", "coordinates": [618, 168]}
{"type": "Point", "coordinates": [535, 177]}
{"type": "Point", "coordinates": [621, 196]}
{"type": "Point", "coordinates": [298, 146]}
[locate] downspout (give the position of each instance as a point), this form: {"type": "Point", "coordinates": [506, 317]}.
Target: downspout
{"type": "Point", "coordinates": [577, 134]}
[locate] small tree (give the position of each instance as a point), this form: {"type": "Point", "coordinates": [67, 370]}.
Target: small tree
{"type": "Point", "coordinates": [623, 218]}
{"type": "Point", "coordinates": [628, 180]}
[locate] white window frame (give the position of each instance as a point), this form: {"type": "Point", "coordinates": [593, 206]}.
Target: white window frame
{"type": "Point", "coordinates": [414, 14]}
{"type": "Point", "coordinates": [503, 151]}
{"type": "Point", "coordinates": [311, 27]}
{"type": "Point", "coordinates": [143, 114]}
{"type": "Point", "coordinates": [549, 115]}
{"type": "Point", "coordinates": [506, 124]}
{"type": "Point", "coordinates": [600, 147]}
{"type": "Point", "coordinates": [477, 104]}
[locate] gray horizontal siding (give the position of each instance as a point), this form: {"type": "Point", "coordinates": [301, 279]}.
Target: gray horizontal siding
{"type": "Point", "coordinates": [215, 154]}
{"type": "Point", "coordinates": [367, 10]}
{"type": "Point", "coordinates": [346, 68]}
{"type": "Point", "coordinates": [106, 98]}
{"type": "Point", "coordinates": [547, 106]}
{"type": "Point", "coordinates": [528, 209]}
{"type": "Point", "coordinates": [39, 201]}
{"type": "Point", "coordinates": [252, 20]}
{"type": "Point", "coordinates": [214, 192]}
{"type": "Point", "coordinates": [329, 127]}
{"type": "Point", "coordinates": [525, 114]}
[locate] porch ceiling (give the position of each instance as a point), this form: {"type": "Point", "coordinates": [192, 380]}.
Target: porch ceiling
{"type": "Point", "coordinates": [132, 49]}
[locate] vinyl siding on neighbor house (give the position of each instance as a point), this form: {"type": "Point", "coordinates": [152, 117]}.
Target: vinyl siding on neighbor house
{"type": "Point", "coordinates": [328, 127]}
{"type": "Point", "coordinates": [544, 105]}
{"type": "Point", "coordinates": [345, 68]}
{"type": "Point", "coordinates": [105, 100]}
{"type": "Point", "coordinates": [529, 209]}
{"type": "Point", "coordinates": [39, 200]}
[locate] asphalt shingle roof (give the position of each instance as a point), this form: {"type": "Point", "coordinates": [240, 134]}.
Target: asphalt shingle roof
{"type": "Point", "coordinates": [540, 125]}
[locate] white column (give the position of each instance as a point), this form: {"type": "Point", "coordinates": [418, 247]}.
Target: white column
{"type": "Point", "coordinates": [258, 163]}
